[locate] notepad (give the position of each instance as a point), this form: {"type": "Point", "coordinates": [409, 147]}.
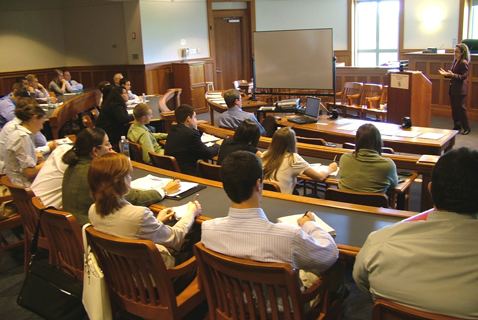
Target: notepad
{"type": "Point", "coordinates": [206, 138]}
{"type": "Point", "coordinates": [428, 158]}
{"type": "Point", "coordinates": [180, 211]}
{"type": "Point", "coordinates": [324, 168]}
{"type": "Point", "coordinates": [431, 135]}
{"type": "Point", "coordinates": [292, 219]}
{"type": "Point", "coordinates": [151, 182]}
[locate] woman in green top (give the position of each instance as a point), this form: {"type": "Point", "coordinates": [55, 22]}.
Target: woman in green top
{"type": "Point", "coordinates": [139, 133]}
{"type": "Point", "coordinates": [365, 170]}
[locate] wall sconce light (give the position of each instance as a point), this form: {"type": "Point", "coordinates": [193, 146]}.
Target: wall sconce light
{"type": "Point", "coordinates": [184, 53]}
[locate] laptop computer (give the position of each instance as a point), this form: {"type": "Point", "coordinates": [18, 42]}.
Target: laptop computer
{"type": "Point", "coordinates": [311, 112]}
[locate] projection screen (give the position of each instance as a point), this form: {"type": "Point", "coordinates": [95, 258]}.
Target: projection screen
{"type": "Point", "coordinates": [297, 59]}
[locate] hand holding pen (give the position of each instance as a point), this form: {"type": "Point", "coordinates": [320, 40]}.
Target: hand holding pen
{"type": "Point", "coordinates": [308, 216]}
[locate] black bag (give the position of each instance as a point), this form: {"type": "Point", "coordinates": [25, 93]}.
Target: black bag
{"type": "Point", "coordinates": [48, 291]}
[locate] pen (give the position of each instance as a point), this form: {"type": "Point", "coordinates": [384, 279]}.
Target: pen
{"type": "Point", "coordinates": [335, 158]}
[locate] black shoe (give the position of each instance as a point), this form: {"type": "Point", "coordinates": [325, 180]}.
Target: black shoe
{"type": "Point", "coordinates": [465, 132]}
{"type": "Point", "coordinates": [458, 128]}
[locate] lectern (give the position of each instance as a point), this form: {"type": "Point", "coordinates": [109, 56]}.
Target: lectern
{"type": "Point", "coordinates": [409, 95]}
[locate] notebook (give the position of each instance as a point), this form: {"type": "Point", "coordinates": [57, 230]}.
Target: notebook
{"type": "Point", "coordinates": [311, 112]}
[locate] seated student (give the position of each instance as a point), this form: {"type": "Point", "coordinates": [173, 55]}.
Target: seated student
{"type": "Point", "coordinates": [184, 141]}
{"type": "Point", "coordinates": [117, 78]}
{"type": "Point", "coordinates": [283, 164]}
{"type": "Point", "coordinates": [132, 98]}
{"type": "Point", "coordinates": [365, 170]}
{"type": "Point", "coordinates": [76, 196]}
{"type": "Point", "coordinates": [139, 133]}
{"type": "Point", "coordinates": [431, 265]}
{"type": "Point", "coordinates": [58, 84]}
{"type": "Point", "coordinates": [246, 232]}
{"type": "Point", "coordinates": [114, 117]}
{"type": "Point", "coordinates": [109, 178]}
{"type": "Point", "coordinates": [8, 103]}
{"type": "Point", "coordinates": [72, 85]}
{"type": "Point", "coordinates": [234, 115]}
{"type": "Point", "coordinates": [246, 137]}
{"type": "Point", "coordinates": [37, 90]}
{"type": "Point", "coordinates": [20, 159]}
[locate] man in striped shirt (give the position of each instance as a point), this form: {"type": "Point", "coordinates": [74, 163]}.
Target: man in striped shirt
{"type": "Point", "coordinates": [247, 233]}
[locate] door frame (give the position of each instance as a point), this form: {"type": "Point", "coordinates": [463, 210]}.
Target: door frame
{"type": "Point", "coordinates": [251, 14]}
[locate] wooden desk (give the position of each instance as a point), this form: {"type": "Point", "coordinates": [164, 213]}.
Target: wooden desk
{"type": "Point", "coordinates": [402, 161]}
{"type": "Point", "coordinates": [216, 103]}
{"type": "Point", "coordinates": [343, 130]}
{"type": "Point", "coordinates": [352, 222]}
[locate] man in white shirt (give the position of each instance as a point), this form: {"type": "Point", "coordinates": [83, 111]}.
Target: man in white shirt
{"type": "Point", "coordinates": [431, 265]}
{"type": "Point", "coordinates": [247, 233]}
{"type": "Point", "coordinates": [72, 85]}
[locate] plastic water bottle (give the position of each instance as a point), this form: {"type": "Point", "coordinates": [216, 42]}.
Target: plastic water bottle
{"type": "Point", "coordinates": [144, 97]}
{"type": "Point", "coordinates": [124, 146]}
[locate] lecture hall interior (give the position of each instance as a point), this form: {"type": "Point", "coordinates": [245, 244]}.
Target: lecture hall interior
{"type": "Point", "coordinates": [390, 66]}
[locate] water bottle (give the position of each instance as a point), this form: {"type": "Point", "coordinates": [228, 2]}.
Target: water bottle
{"type": "Point", "coordinates": [144, 97]}
{"type": "Point", "coordinates": [124, 146]}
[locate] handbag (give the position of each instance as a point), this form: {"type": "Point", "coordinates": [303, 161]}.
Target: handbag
{"type": "Point", "coordinates": [95, 292]}
{"type": "Point", "coordinates": [48, 291]}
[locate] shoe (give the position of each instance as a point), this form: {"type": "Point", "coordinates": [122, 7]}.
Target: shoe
{"type": "Point", "coordinates": [458, 128]}
{"type": "Point", "coordinates": [465, 132]}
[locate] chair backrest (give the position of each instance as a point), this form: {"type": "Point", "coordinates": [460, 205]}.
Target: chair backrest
{"type": "Point", "coordinates": [371, 90]}
{"type": "Point", "coordinates": [166, 101]}
{"type": "Point", "coordinates": [245, 289]}
{"type": "Point", "coordinates": [350, 90]}
{"type": "Point", "coordinates": [135, 151]}
{"type": "Point", "coordinates": [241, 85]}
{"type": "Point", "coordinates": [364, 198]}
{"type": "Point", "coordinates": [387, 310]}
{"type": "Point", "coordinates": [164, 162]}
{"type": "Point", "coordinates": [349, 145]}
{"type": "Point", "coordinates": [271, 185]}
{"type": "Point", "coordinates": [23, 200]}
{"type": "Point", "coordinates": [135, 275]}
{"type": "Point", "coordinates": [316, 141]}
{"type": "Point", "coordinates": [209, 171]}
{"type": "Point", "coordinates": [87, 121]}
{"type": "Point", "coordinates": [64, 235]}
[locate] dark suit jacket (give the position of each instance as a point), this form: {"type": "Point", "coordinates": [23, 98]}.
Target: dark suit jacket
{"type": "Point", "coordinates": [114, 119]}
{"type": "Point", "coordinates": [186, 146]}
{"type": "Point", "coordinates": [458, 84]}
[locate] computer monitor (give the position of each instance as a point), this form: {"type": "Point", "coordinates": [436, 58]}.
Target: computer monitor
{"type": "Point", "coordinates": [312, 106]}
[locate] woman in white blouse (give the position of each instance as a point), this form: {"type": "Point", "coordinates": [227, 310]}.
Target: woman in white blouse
{"type": "Point", "coordinates": [21, 162]}
{"type": "Point", "coordinates": [109, 178]}
{"type": "Point", "coordinates": [283, 164]}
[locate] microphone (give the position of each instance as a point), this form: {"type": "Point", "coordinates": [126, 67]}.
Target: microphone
{"type": "Point", "coordinates": [333, 114]}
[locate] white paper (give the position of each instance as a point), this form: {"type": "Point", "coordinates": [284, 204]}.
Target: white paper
{"type": "Point", "coordinates": [180, 211]}
{"type": "Point", "coordinates": [399, 81]}
{"type": "Point", "coordinates": [205, 138]}
{"type": "Point", "coordinates": [324, 168]}
{"type": "Point", "coordinates": [63, 141]}
{"type": "Point", "coordinates": [151, 182]}
{"type": "Point", "coordinates": [292, 219]}
{"type": "Point", "coordinates": [431, 135]}
{"type": "Point", "coordinates": [407, 134]}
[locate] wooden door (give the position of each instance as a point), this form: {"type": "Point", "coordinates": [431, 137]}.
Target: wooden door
{"type": "Point", "coordinates": [232, 44]}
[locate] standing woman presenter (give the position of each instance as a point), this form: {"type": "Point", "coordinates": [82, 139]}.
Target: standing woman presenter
{"type": "Point", "coordinates": [458, 87]}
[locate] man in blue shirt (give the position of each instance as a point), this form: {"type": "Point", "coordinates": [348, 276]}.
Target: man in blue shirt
{"type": "Point", "coordinates": [234, 115]}
{"type": "Point", "coordinates": [8, 102]}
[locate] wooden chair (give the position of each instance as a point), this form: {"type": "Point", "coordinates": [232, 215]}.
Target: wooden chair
{"type": "Point", "coordinates": [316, 141]}
{"type": "Point", "coordinates": [23, 200]}
{"type": "Point", "coordinates": [271, 185]}
{"type": "Point", "coordinates": [135, 151]}
{"type": "Point", "coordinates": [349, 145]}
{"type": "Point", "coordinates": [138, 280]}
{"type": "Point", "coordinates": [241, 85]}
{"type": "Point", "coordinates": [364, 198]}
{"type": "Point", "coordinates": [170, 100]}
{"type": "Point", "coordinates": [349, 96]}
{"type": "Point", "coordinates": [64, 235]}
{"type": "Point", "coordinates": [209, 171]}
{"type": "Point", "coordinates": [245, 289]}
{"type": "Point", "coordinates": [371, 95]}
{"type": "Point", "coordinates": [87, 121]}
{"type": "Point", "coordinates": [388, 310]}
{"type": "Point", "coordinates": [164, 162]}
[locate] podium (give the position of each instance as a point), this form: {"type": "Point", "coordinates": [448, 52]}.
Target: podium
{"type": "Point", "coordinates": [409, 95]}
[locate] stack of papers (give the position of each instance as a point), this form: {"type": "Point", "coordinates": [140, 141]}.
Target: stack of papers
{"type": "Point", "coordinates": [323, 168]}
{"type": "Point", "coordinates": [292, 219]}
{"type": "Point", "coordinates": [151, 182]}
{"type": "Point", "coordinates": [431, 135]}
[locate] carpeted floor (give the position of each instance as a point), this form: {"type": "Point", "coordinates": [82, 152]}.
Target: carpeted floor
{"type": "Point", "coordinates": [358, 304]}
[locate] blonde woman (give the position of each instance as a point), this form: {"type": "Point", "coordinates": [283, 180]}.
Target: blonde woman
{"type": "Point", "coordinates": [283, 164]}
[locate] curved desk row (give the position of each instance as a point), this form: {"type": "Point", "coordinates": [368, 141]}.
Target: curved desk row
{"type": "Point", "coordinates": [353, 223]}
{"type": "Point", "coordinates": [403, 162]}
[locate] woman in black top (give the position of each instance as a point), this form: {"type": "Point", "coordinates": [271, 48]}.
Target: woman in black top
{"type": "Point", "coordinates": [245, 138]}
{"type": "Point", "coordinates": [114, 117]}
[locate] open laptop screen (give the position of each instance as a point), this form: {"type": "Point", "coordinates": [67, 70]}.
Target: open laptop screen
{"type": "Point", "coordinates": [312, 107]}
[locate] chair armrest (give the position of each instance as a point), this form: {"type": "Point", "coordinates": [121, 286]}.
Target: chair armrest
{"type": "Point", "coordinates": [183, 268]}
{"type": "Point", "coordinates": [353, 98]}
{"type": "Point", "coordinates": [313, 291]}
{"type": "Point", "coordinates": [373, 102]}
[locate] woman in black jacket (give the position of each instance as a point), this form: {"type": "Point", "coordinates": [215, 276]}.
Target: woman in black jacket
{"type": "Point", "coordinates": [114, 117]}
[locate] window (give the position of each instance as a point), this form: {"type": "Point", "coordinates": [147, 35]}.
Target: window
{"type": "Point", "coordinates": [376, 32]}
{"type": "Point", "coordinates": [473, 28]}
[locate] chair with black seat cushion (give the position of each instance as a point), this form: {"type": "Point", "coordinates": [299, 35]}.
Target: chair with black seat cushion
{"type": "Point", "coordinates": [164, 162]}
{"type": "Point", "coordinates": [138, 280]}
{"type": "Point", "coordinates": [209, 170]}
{"type": "Point", "coordinates": [30, 216]}
{"type": "Point", "coordinates": [64, 235]}
{"type": "Point", "coordinates": [170, 100]}
{"type": "Point", "coordinates": [364, 198]}
{"type": "Point", "coordinates": [384, 309]}
{"type": "Point", "coordinates": [238, 288]}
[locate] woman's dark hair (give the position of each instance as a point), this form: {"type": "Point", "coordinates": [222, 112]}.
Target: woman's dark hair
{"type": "Point", "coordinates": [29, 111]}
{"type": "Point", "coordinates": [86, 140]}
{"type": "Point", "coordinates": [368, 137]}
{"type": "Point", "coordinates": [247, 133]}
{"type": "Point", "coordinates": [123, 81]}
{"type": "Point", "coordinates": [107, 181]}
{"type": "Point", "coordinates": [114, 96]}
